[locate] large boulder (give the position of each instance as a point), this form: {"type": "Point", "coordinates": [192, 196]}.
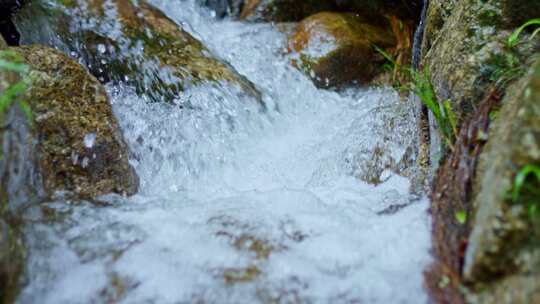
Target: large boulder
{"type": "Point", "coordinates": [74, 140]}
{"type": "Point", "coordinates": [130, 42]}
{"type": "Point", "coordinates": [470, 64]}
{"type": "Point", "coordinates": [292, 10]}
{"type": "Point", "coordinates": [503, 256]}
{"type": "Point", "coordinates": [337, 49]}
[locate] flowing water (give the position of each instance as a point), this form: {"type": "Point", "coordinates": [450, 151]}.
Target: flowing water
{"type": "Point", "coordinates": [240, 204]}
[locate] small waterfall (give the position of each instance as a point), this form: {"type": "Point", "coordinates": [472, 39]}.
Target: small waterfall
{"type": "Point", "coordinates": [421, 112]}
{"type": "Point", "coordinates": [239, 205]}
{"type": "Point", "coordinates": [418, 37]}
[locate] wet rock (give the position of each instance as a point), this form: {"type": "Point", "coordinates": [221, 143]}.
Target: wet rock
{"type": "Point", "coordinates": [79, 145]}
{"type": "Point", "coordinates": [122, 41]}
{"type": "Point", "coordinates": [291, 10]}
{"type": "Point", "coordinates": [224, 8]}
{"type": "Point", "coordinates": [337, 49]}
{"type": "Point", "coordinates": [503, 254]}
{"type": "Point", "coordinates": [283, 10]}
{"type": "Point", "coordinates": [11, 247]}
{"type": "Point", "coordinates": [11, 261]}
{"type": "Point", "coordinates": [462, 72]}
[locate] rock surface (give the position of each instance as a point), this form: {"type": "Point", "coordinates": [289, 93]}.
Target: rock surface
{"type": "Point", "coordinates": [462, 72]}
{"type": "Point", "coordinates": [337, 49]}
{"type": "Point", "coordinates": [140, 46]}
{"type": "Point", "coordinates": [11, 248]}
{"type": "Point", "coordinates": [224, 8]}
{"type": "Point", "coordinates": [292, 10]}
{"type": "Point", "coordinates": [81, 149]}
{"type": "Point", "coordinates": [488, 265]}
{"type": "Point", "coordinates": [503, 254]}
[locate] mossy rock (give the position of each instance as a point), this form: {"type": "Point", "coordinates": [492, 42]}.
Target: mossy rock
{"type": "Point", "coordinates": [502, 260]}
{"type": "Point", "coordinates": [11, 247]}
{"type": "Point", "coordinates": [337, 49]}
{"type": "Point", "coordinates": [139, 45]}
{"type": "Point", "coordinates": [79, 146]}
{"type": "Point", "coordinates": [293, 10]}
{"type": "Point", "coordinates": [465, 49]}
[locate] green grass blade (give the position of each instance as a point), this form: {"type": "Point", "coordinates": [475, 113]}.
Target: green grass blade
{"type": "Point", "coordinates": [522, 175]}
{"type": "Point", "coordinates": [514, 38]}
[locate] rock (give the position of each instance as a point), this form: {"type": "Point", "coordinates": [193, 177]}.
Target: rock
{"type": "Point", "coordinates": [483, 259]}
{"type": "Point", "coordinates": [503, 255]}
{"type": "Point", "coordinates": [283, 10]}
{"type": "Point", "coordinates": [462, 72]}
{"type": "Point", "coordinates": [79, 146]}
{"type": "Point", "coordinates": [292, 10]}
{"type": "Point", "coordinates": [337, 49]}
{"type": "Point", "coordinates": [11, 247]}
{"type": "Point", "coordinates": [11, 262]}
{"type": "Point", "coordinates": [139, 45]}
{"type": "Point", "coordinates": [224, 8]}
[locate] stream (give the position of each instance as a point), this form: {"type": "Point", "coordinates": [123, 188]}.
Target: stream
{"type": "Point", "coordinates": [240, 204]}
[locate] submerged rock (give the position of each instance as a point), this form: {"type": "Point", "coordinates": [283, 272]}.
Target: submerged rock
{"type": "Point", "coordinates": [337, 49]}
{"type": "Point", "coordinates": [78, 142]}
{"type": "Point", "coordinates": [122, 41]}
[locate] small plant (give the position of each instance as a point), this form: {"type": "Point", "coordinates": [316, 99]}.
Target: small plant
{"type": "Point", "coordinates": [420, 84]}
{"type": "Point", "coordinates": [513, 40]}
{"type": "Point", "coordinates": [526, 188]}
{"type": "Point", "coordinates": [461, 217]}
{"type": "Point", "coordinates": [442, 111]}
{"type": "Point", "coordinates": [11, 62]}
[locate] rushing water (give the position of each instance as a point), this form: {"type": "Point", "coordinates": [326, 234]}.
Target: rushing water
{"type": "Point", "coordinates": [243, 205]}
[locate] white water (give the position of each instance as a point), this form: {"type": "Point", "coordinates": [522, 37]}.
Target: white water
{"type": "Point", "coordinates": [220, 175]}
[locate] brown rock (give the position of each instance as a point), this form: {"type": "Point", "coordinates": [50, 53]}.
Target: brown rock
{"type": "Point", "coordinates": [337, 49]}
{"type": "Point", "coordinates": [80, 147]}
{"type": "Point", "coordinates": [141, 46]}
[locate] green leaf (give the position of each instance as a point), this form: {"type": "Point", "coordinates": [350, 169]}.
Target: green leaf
{"type": "Point", "coordinates": [522, 175]}
{"type": "Point", "coordinates": [513, 40]}
{"type": "Point", "coordinates": [10, 94]}
{"type": "Point", "coordinates": [461, 217]}
{"type": "Point", "coordinates": [13, 66]}
{"type": "Point", "coordinates": [385, 55]}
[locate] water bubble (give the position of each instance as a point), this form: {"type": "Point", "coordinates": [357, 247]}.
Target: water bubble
{"type": "Point", "coordinates": [89, 140]}
{"type": "Point", "coordinates": [101, 48]}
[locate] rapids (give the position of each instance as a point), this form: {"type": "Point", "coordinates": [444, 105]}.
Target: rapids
{"type": "Point", "coordinates": [240, 204]}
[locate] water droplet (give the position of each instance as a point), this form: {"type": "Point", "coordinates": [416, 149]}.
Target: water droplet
{"type": "Point", "coordinates": [102, 48]}
{"type": "Point", "coordinates": [89, 140]}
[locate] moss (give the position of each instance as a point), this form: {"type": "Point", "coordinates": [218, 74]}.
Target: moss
{"type": "Point", "coordinates": [172, 58]}
{"type": "Point", "coordinates": [68, 104]}
{"type": "Point", "coordinates": [241, 275]}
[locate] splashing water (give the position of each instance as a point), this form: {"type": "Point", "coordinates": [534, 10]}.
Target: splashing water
{"type": "Point", "coordinates": [241, 205]}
